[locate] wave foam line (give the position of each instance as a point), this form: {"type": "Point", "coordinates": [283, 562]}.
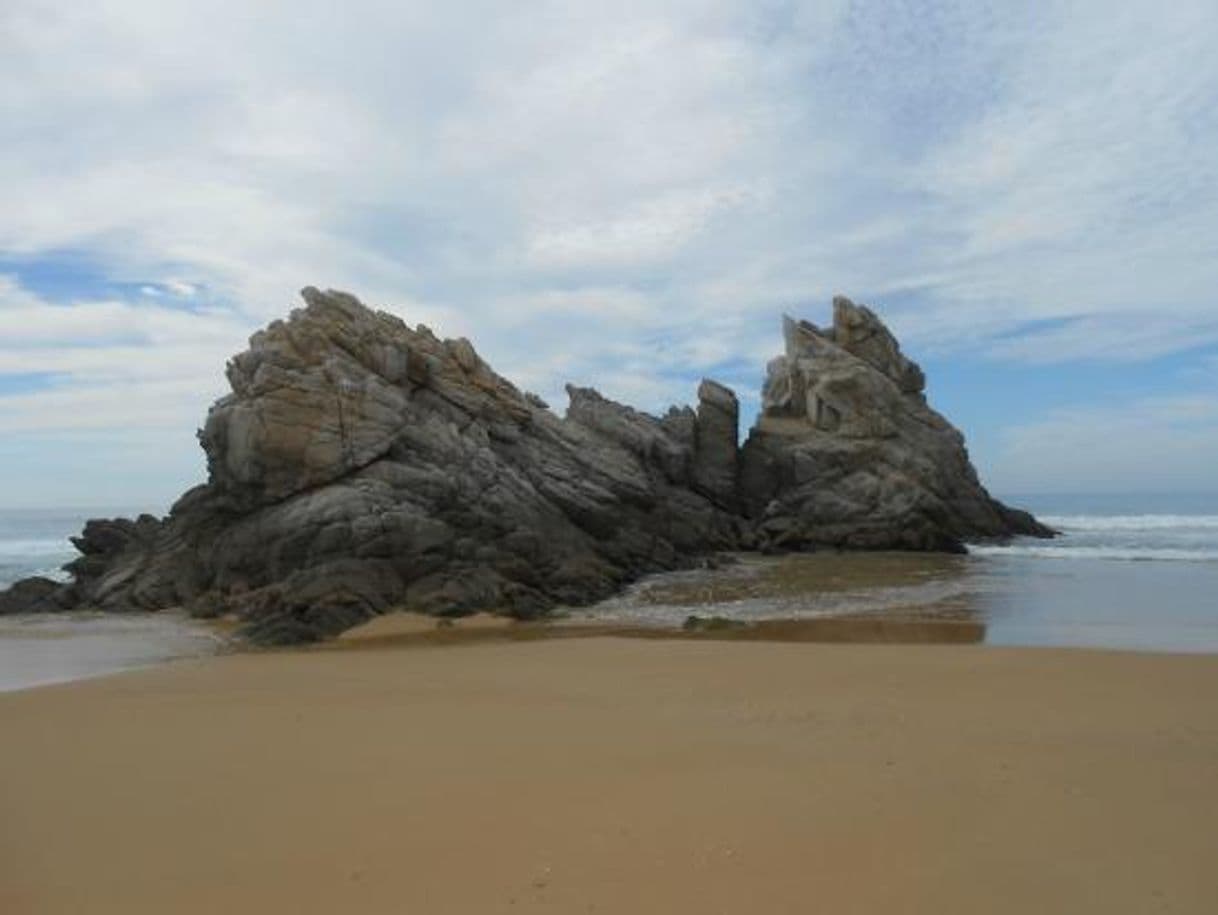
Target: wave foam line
{"type": "Point", "coordinates": [1147, 554]}
{"type": "Point", "coordinates": [1129, 522]}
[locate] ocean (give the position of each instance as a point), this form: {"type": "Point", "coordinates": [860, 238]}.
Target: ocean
{"type": "Point", "coordinates": [42, 649]}
{"type": "Point", "coordinates": [35, 541]}
{"type": "Point", "coordinates": [1131, 571]}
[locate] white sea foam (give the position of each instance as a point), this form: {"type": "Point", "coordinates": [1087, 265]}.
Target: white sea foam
{"type": "Point", "coordinates": [1066, 551]}
{"type": "Point", "coordinates": [1144, 537]}
{"type": "Point", "coordinates": [1131, 522]}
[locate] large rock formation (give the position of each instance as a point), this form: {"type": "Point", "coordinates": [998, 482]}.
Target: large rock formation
{"type": "Point", "coordinates": [360, 464]}
{"type": "Point", "coordinates": [847, 453]}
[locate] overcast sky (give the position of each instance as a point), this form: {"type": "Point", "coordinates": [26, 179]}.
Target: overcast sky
{"type": "Point", "coordinates": [627, 195]}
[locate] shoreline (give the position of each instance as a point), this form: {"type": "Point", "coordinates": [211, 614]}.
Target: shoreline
{"type": "Point", "coordinates": [52, 648]}
{"type": "Point", "coordinates": [616, 775]}
{"type": "Point", "coordinates": [409, 630]}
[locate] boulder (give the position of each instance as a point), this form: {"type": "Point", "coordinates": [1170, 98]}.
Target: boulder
{"type": "Point", "coordinates": [33, 595]}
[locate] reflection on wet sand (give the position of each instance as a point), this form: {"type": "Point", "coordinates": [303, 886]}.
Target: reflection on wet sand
{"type": "Point", "coordinates": [817, 597]}
{"type": "Point", "coordinates": [876, 629]}
{"type": "Point", "coordinates": [880, 597]}
{"type": "Point", "coordinates": [829, 596]}
{"type": "Point", "coordinates": [879, 628]}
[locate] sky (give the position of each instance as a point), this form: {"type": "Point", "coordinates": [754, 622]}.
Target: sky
{"type": "Point", "coordinates": [628, 195]}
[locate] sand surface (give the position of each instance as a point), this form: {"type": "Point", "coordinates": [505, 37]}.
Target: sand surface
{"type": "Point", "coordinates": [399, 624]}
{"type": "Point", "coordinates": [618, 775]}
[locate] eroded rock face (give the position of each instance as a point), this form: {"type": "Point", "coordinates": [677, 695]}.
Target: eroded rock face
{"type": "Point", "coordinates": [360, 464]}
{"type": "Point", "coordinates": [717, 443]}
{"type": "Point", "coordinates": [32, 595]}
{"type": "Point", "coordinates": [847, 453]}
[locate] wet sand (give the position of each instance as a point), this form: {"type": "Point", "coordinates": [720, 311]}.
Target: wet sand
{"type": "Point", "coordinates": [40, 649]}
{"type": "Point", "coordinates": [799, 586]}
{"type": "Point", "coordinates": [503, 773]}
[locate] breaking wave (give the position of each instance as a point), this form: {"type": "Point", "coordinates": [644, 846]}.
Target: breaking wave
{"type": "Point", "coordinates": [1131, 554]}
{"type": "Point", "coordinates": [1132, 538]}
{"type": "Point", "coordinates": [1131, 522]}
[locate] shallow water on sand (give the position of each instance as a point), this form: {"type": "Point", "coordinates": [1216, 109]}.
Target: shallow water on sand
{"type": "Point", "coordinates": [1128, 572]}
{"type": "Point", "coordinates": [1017, 598]}
{"type": "Point", "coordinates": [54, 648]}
{"type": "Point", "coordinates": [1014, 599]}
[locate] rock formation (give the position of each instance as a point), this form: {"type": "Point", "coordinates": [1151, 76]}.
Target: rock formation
{"type": "Point", "coordinates": [717, 443]}
{"type": "Point", "coordinates": [360, 464]}
{"type": "Point", "coordinates": [32, 595]}
{"type": "Point", "coordinates": [847, 453]}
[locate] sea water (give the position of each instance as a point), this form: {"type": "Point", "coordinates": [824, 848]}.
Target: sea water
{"type": "Point", "coordinates": [41, 649]}
{"type": "Point", "coordinates": [1132, 571]}
{"type": "Point", "coordinates": [35, 542]}
{"type": "Point", "coordinates": [1129, 571]}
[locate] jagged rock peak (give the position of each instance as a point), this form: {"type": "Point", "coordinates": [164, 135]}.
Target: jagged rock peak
{"type": "Point", "coordinates": [846, 451]}
{"type": "Point", "coordinates": [717, 443]}
{"type": "Point", "coordinates": [859, 331]}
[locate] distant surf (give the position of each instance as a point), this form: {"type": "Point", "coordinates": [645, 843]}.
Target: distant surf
{"type": "Point", "coordinates": [1131, 522]}
{"type": "Point", "coordinates": [53, 648]}
{"type": "Point", "coordinates": [1133, 538]}
{"type": "Point", "coordinates": [36, 542]}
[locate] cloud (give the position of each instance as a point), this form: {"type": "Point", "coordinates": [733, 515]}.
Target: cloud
{"type": "Point", "coordinates": [1162, 443]}
{"type": "Point", "coordinates": [111, 365]}
{"type": "Point", "coordinates": [1030, 162]}
{"type": "Point", "coordinates": [1117, 338]}
{"type": "Point", "coordinates": [653, 233]}
{"type": "Point", "coordinates": [180, 288]}
{"type": "Point", "coordinates": [629, 194]}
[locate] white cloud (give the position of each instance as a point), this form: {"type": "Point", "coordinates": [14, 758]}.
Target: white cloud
{"type": "Point", "coordinates": [1156, 443]}
{"type": "Point", "coordinates": [112, 366]}
{"type": "Point", "coordinates": [180, 288]}
{"type": "Point", "coordinates": [653, 233]}
{"type": "Point", "coordinates": [629, 194]}
{"type": "Point", "coordinates": [1086, 187]}
{"type": "Point", "coordinates": [1117, 338]}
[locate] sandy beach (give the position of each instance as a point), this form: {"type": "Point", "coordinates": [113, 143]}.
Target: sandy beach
{"type": "Point", "coordinates": [617, 775]}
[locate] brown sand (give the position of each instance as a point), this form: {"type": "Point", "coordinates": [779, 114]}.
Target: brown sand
{"type": "Point", "coordinates": [617, 775]}
{"type": "Point", "coordinates": [403, 623]}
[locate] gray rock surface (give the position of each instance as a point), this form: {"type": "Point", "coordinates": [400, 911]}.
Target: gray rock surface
{"type": "Point", "coordinates": [717, 443]}
{"type": "Point", "coordinates": [361, 464]}
{"type": "Point", "coordinates": [847, 453]}
{"type": "Point", "coordinates": [31, 595]}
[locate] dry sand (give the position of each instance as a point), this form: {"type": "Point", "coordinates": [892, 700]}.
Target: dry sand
{"type": "Point", "coordinates": [618, 775]}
